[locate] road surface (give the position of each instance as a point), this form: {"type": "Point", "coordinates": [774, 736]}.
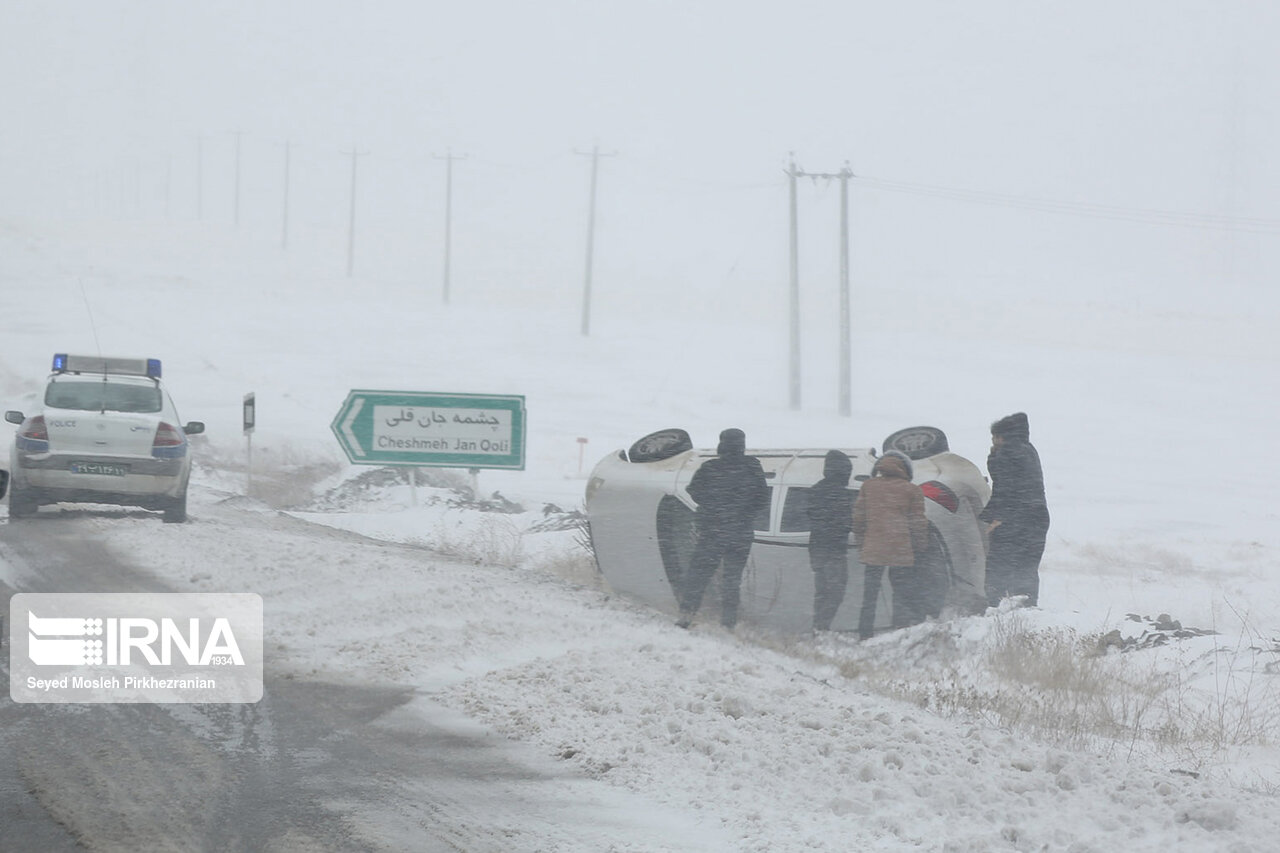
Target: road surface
{"type": "Point", "coordinates": [313, 766]}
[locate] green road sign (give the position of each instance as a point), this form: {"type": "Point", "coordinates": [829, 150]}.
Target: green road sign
{"type": "Point", "coordinates": [434, 430]}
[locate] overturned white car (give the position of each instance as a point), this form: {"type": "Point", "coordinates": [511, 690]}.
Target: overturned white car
{"type": "Point", "coordinates": [641, 523]}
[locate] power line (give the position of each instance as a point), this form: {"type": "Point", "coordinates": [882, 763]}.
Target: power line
{"type": "Point", "coordinates": [1148, 216]}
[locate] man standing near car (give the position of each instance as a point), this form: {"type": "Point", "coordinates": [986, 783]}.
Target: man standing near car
{"type": "Point", "coordinates": [830, 511]}
{"type": "Point", "coordinates": [1017, 515]}
{"type": "Point", "coordinates": [730, 490]}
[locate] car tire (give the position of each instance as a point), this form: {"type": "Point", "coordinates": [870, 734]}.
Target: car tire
{"type": "Point", "coordinates": [21, 504]}
{"type": "Point", "coordinates": [919, 442]}
{"type": "Point", "coordinates": [660, 445]}
{"type": "Point", "coordinates": [176, 511]}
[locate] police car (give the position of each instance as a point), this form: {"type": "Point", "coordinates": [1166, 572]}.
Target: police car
{"type": "Point", "coordinates": [107, 433]}
{"type": "Point", "coordinates": [641, 522]}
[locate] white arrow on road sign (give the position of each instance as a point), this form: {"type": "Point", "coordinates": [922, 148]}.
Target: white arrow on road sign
{"type": "Point", "coordinates": [346, 427]}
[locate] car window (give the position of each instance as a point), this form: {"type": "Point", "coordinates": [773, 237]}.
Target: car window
{"type": "Point", "coordinates": [99, 396]}
{"type": "Point", "coordinates": [795, 510]}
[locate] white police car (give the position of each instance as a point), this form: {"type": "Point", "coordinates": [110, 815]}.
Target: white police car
{"type": "Point", "coordinates": [107, 433]}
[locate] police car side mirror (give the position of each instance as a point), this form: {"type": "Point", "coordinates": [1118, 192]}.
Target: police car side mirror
{"type": "Point", "coordinates": [14, 417]}
{"type": "Point", "coordinates": [194, 428]}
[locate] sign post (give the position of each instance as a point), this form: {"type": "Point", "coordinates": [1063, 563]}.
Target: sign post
{"type": "Point", "coordinates": [426, 429]}
{"type": "Point", "coordinates": [249, 419]}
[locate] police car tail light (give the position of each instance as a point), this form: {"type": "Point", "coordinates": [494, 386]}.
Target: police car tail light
{"type": "Point", "coordinates": [941, 495]}
{"type": "Point", "coordinates": [35, 429]}
{"type": "Point", "coordinates": [167, 436]}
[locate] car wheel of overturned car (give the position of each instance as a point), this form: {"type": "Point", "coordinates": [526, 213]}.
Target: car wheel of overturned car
{"type": "Point", "coordinates": [21, 503]}
{"type": "Point", "coordinates": [919, 442]}
{"type": "Point", "coordinates": [660, 445]}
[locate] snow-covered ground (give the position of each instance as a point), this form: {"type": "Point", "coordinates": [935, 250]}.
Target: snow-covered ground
{"type": "Point", "coordinates": [1022, 730]}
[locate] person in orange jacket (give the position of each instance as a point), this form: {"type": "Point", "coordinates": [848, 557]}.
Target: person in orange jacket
{"type": "Point", "coordinates": [890, 530]}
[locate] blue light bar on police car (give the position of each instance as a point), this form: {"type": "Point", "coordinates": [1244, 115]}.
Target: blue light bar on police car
{"type": "Point", "coordinates": [63, 363]}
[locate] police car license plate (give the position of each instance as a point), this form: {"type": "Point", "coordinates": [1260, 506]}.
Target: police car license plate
{"type": "Point", "coordinates": [111, 469]}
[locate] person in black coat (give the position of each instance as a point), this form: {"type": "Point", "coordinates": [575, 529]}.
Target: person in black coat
{"type": "Point", "coordinates": [830, 512]}
{"type": "Point", "coordinates": [729, 491]}
{"type": "Point", "coordinates": [1017, 516]}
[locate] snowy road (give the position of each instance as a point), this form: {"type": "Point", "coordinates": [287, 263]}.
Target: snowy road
{"type": "Point", "coordinates": [316, 765]}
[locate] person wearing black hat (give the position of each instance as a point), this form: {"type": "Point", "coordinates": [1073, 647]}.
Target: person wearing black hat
{"type": "Point", "coordinates": [1017, 515]}
{"type": "Point", "coordinates": [830, 511]}
{"type": "Point", "coordinates": [729, 491]}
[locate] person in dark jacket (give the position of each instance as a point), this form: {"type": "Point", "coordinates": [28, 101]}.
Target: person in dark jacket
{"type": "Point", "coordinates": [729, 491]}
{"type": "Point", "coordinates": [890, 528]}
{"type": "Point", "coordinates": [1017, 516]}
{"type": "Point", "coordinates": [830, 512]}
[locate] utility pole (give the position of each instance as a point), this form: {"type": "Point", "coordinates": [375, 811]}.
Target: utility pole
{"type": "Point", "coordinates": [135, 181]}
{"type": "Point", "coordinates": [200, 178]}
{"type": "Point", "coordinates": [448, 215]}
{"type": "Point", "coordinates": [846, 342]}
{"type": "Point", "coordinates": [591, 233]}
{"type": "Point", "coordinates": [792, 174]}
{"type": "Point", "coordinates": [845, 393]}
{"type": "Point", "coordinates": [351, 222]}
{"type": "Point", "coordinates": [237, 188]}
{"type": "Point", "coordinates": [284, 225]}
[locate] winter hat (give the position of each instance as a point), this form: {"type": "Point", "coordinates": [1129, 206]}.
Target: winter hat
{"type": "Point", "coordinates": [733, 442]}
{"type": "Point", "coordinates": [903, 460]}
{"type": "Point", "coordinates": [1012, 426]}
{"type": "Point", "coordinates": [837, 467]}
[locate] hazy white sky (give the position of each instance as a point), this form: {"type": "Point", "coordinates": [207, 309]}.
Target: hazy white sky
{"type": "Point", "coordinates": [1150, 105]}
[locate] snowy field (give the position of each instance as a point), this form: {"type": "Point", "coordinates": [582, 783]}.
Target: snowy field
{"type": "Point", "coordinates": [1020, 730]}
